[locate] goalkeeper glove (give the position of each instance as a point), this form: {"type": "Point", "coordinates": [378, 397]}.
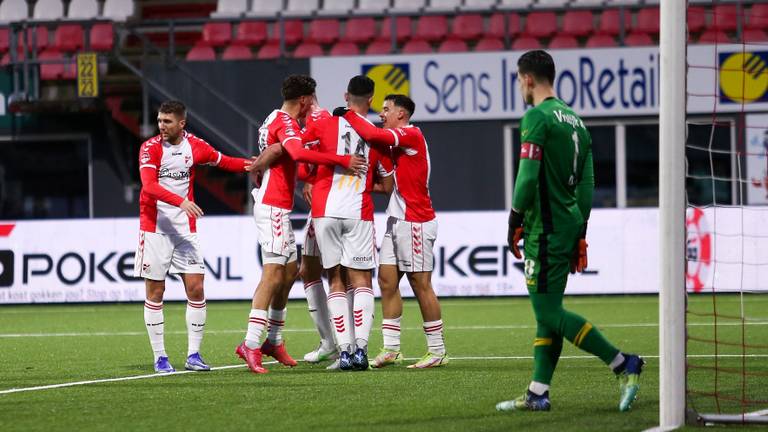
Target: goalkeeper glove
{"type": "Point", "coordinates": [515, 233]}
{"type": "Point", "coordinates": [579, 260]}
{"type": "Point", "coordinates": [340, 111]}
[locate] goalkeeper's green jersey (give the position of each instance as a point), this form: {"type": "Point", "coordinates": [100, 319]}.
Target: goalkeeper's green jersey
{"type": "Point", "coordinates": [555, 179]}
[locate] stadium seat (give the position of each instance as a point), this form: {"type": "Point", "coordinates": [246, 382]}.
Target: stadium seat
{"type": "Point", "coordinates": [5, 39]}
{"type": "Point", "coordinates": [201, 52]}
{"type": "Point", "coordinates": [379, 47]}
{"type": "Point", "coordinates": [265, 8]}
{"type": "Point", "coordinates": [563, 42]}
{"type": "Point", "coordinates": [526, 43]}
{"type": "Point", "coordinates": [294, 32]}
{"type": "Point", "coordinates": [443, 5]}
{"type": "Point", "coordinates": [324, 31]}
{"type": "Point", "coordinates": [601, 41]}
{"type": "Point", "coordinates": [83, 9]}
{"type": "Point", "coordinates": [337, 7]}
{"type": "Point", "coordinates": [489, 44]}
{"type": "Point", "coordinates": [102, 37]}
{"type": "Point", "coordinates": [35, 37]}
{"type": "Point", "coordinates": [611, 21]}
{"type": "Point", "coordinates": [757, 18]}
{"type": "Point", "coordinates": [230, 8]}
{"type": "Point", "coordinates": [754, 35]}
{"type": "Point", "coordinates": [577, 23]}
{"type": "Point", "coordinates": [416, 46]}
{"type": "Point", "coordinates": [452, 46]}
{"type": "Point", "coordinates": [301, 7]}
{"type": "Point", "coordinates": [514, 4]}
{"type": "Point", "coordinates": [497, 24]}
{"type": "Point", "coordinates": [696, 18]}
{"type": "Point", "coordinates": [118, 10]}
{"type": "Point", "coordinates": [724, 17]}
{"type": "Point", "coordinates": [359, 30]}
{"type": "Point", "coordinates": [269, 51]}
{"type": "Point", "coordinates": [540, 24]}
{"type": "Point", "coordinates": [467, 27]}
{"type": "Point", "coordinates": [217, 34]}
{"type": "Point", "coordinates": [431, 28]}
{"type": "Point", "coordinates": [345, 49]}
{"type": "Point", "coordinates": [402, 29]}
{"type": "Point", "coordinates": [51, 71]}
{"type": "Point", "coordinates": [68, 37]}
{"type": "Point", "coordinates": [308, 49]}
{"type": "Point", "coordinates": [407, 6]}
{"type": "Point", "coordinates": [371, 7]}
{"type": "Point", "coordinates": [647, 21]}
{"type": "Point", "coordinates": [550, 4]}
{"type": "Point", "coordinates": [237, 52]}
{"type": "Point", "coordinates": [7, 57]}
{"type": "Point", "coordinates": [713, 37]}
{"type": "Point", "coordinates": [13, 10]}
{"type": "Point", "coordinates": [251, 33]}
{"type": "Point", "coordinates": [478, 5]}
{"type": "Point", "coordinates": [587, 3]}
{"type": "Point", "coordinates": [48, 10]}
{"type": "Point", "coordinates": [638, 39]}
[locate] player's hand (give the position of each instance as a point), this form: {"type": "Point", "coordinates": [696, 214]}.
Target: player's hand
{"type": "Point", "coordinates": [256, 177]}
{"type": "Point", "coordinates": [250, 164]}
{"type": "Point", "coordinates": [357, 164]}
{"type": "Point", "coordinates": [579, 260]}
{"type": "Point", "coordinates": [191, 209]}
{"type": "Point", "coordinates": [340, 111]}
{"type": "Point", "coordinates": [307, 193]}
{"type": "Point", "coordinates": [515, 233]}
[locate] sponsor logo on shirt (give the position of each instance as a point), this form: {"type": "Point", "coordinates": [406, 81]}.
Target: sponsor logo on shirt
{"type": "Point", "coordinates": [362, 259]}
{"type": "Point", "coordinates": [175, 175]}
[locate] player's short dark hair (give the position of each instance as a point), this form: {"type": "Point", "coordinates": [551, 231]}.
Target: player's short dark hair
{"type": "Point", "coordinates": [402, 101]}
{"type": "Point", "coordinates": [295, 86]}
{"type": "Point", "coordinates": [173, 107]}
{"type": "Point", "coordinates": [539, 64]}
{"type": "Point", "coordinates": [361, 85]}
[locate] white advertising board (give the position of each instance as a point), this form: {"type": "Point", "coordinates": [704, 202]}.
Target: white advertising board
{"type": "Point", "coordinates": [756, 143]}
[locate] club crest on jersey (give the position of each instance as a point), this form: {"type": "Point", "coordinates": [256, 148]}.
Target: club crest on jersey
{"type": "Point", "coordinates": [188, 161]}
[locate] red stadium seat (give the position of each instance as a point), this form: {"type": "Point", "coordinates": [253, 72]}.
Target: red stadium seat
{"type": "Point", "coordinates": [577, 23]}
{"type": "Point", "coordinates": [237, 52]}
{"type": "Point", "coordinates": [359, 30]}
{"type": "Point", "coordinates": [754, 35]}
{"type": "Point", "coordinates": [324, 31]}
{"type": "Point", "coordinates": [294, 32]}
{"type": "Point", "coordinates": [713, 37]}
{"type": "Point", "coordinates": [345, 49]}
{"type": "Point", "coordinates": [308, 49]}
{"type": "Point", "coordinates": [51, 71]}
{"type": "Point", "coordinates": [251, 33]}
{"type": "Point", "coordinates": [68, 37]}
{"type": "Point", "coordinates": [402, 29]}
{"type": "Point", "coordinates": [601, 41]}
{"type": "Point", "coordinates": [379, 47]}
{"type": "Point", "coordinates": [467, 27]}
{"type": "Point", "coordinates": [757, 18]}
{"type": "Point", "coordinates": [269, 51]}
{"type": "Point", "coordinates": [7, 57]}
{"type": "Point", "coordinates": [697, 19]}
{"type": "Point", "coordinates": [431, 28]}
{"type": "Point", "coordinates": [563, 41]}
{"type": "Point", "coordinates": [201, 52]}
{"type": "Point", "coordinates": [452, 46]}
{"type": "Point", "coordinates": [647, 21]}
{"type": "Point", "coordinates": [102, 37]}
{"type": "Point", "coordinates": [497, 23]}
{"type": "Point", "coordinates": [489, 44]}
{"type": "Point", "coordinates": [417, 46]}
{"type": "Point", "coordinates": [724, 17]}
{"type": "Point", "coordinates": [638, 39]}
{"type": "Point", "coordinates": [217, 34]}
{"type": "Point", "coordinates": [5, 39]}
{"type": "Point", "coordinates": [526, 43]}
{"type": "Point", "coordinates": [540, 24]}
{"type": "Point", "coordinates": [36, 35]}
{"type": "Point", "coordinates": [610, 22]}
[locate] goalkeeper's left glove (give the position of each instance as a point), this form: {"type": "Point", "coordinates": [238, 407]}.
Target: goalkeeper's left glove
{"type": "Point", "coordinates": [579, 259]}
{"type": "Point", "coordinates": [515, 233]}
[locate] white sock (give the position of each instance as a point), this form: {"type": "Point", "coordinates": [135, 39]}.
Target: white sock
{"type": "Point", "coordinates": [153, 318]}
{"type": "Point", "coordinates": [276, 324]}
{"type": "Point", "coordinates": [196, 312]}
{"type": "Point", "coordinates": [317, 301]}
{"type": "Point", "coordinates": [390, 328]}
{"type": "Point", "coordinates": [257, 321]}
{"type": "Point", "coordinates": [434, 332]}
{"type": "Point", "coordinates": [339, 311]}
{"type": "Point", "coordinates": [351, 304]}
{"type": "Point", "coordinates": [538, 388]}
{"type": "Point", "coordinates": [363, 316]}
{"type": "Point", "coordinates": [617, 361]}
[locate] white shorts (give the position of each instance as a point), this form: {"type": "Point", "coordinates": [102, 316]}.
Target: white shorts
{"type": "Point", "coordinates": [159, 254]}
{"type": "Point", "coordinates": [349, 242]}
{"type": "Point", "coordinates": [409, 245]}
{"type": "Point", "coordinates": [273, 226]}
{"type": "Point", "coordinates": [310, 247]}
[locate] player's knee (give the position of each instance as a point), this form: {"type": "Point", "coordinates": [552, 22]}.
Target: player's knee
{"type": "Point", "coordinates": [548, 316]}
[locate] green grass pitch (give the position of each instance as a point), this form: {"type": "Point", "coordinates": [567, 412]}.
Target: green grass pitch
{"type": "Point", "coordinates": [489, 340]}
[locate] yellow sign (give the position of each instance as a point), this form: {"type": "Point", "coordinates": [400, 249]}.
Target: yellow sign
{"type": "Point", "coordinates": [87, 75]}
{"type": "Point", "coordinates": [744, 77]}
{"type": "Point", "coordinates": [390, 78]}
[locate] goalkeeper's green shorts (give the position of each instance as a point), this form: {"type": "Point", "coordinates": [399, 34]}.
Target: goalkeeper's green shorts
{"type": "Point", "coordinates": [548, 259]}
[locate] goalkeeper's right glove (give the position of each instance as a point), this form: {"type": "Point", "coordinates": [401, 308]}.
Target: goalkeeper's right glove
{"type": "Point", "coordinates": [515, 233]}
{"type": "Point", "coordinates": [579, 259]}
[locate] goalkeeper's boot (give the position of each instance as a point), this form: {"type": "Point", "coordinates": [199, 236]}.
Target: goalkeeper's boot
{"type": "Point", "coordinates": [345, 361]}
{"type": "Point", "coordinates": [196, 363]}
{"type": "Point", "coordinates": [430, 360]}
{"type": "Point", "coordinates": [360, 360]}
{"type": "Point", "coordinates": [530, 401]}
{"type": "Point", "coordinates": [278, 352]}
{"type": "Point", "coordinates": [629, 381]}
{"type": "Point", "coordinates": [252, 358]}
{"type": "Point", "coordinates": [387, 357]}
{"type": "Point", "coordinates": [162, 365]}
{"type": "Point", "coordinates": [321, 353]}
{"type": "Point", "coordinates": [334, 365]}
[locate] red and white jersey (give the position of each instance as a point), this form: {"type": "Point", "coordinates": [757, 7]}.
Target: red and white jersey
{"type": "Point", "coordinates": [280, 178]}
{"type": "Point", "coordinates": [306, 171]}
{"type": "Point", "coordinates": [174, 171]}
{"type": "Point", "coordinates": [410, 200]}
{"type": "Point", "coordinates": [336, 193]}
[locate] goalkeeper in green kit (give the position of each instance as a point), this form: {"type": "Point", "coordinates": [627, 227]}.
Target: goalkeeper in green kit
{"type": "Point", "coordinates": [551, 206]}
